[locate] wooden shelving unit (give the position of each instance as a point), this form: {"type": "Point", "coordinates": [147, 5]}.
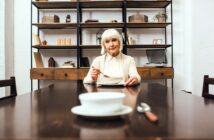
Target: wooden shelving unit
{"type": "Point", "coordinates": [79, 25]}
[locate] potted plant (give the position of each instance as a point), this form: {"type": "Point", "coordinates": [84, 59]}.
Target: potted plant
{"type": "Point", "coordinates": [161, 17]}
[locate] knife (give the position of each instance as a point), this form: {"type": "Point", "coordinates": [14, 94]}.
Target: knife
{"type": "Point", "coordinates": [146, 109]}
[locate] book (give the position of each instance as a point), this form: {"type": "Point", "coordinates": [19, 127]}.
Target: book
{"type": "Point", "coordinates": [36, 40]}
{"type": "Point", "coordinates": [38, 60]}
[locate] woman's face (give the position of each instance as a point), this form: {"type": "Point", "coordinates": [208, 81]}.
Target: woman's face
{"type": "Point", "coordinates": [112, 46]}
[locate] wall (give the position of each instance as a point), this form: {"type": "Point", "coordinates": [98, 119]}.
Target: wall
{"type": "Point", "coordinates": [2, 38]}
{"type": "Point", "coordinates": [2, 44]}
{"type": "Point", "coordinates": [193, 44]}
{"type": "Point", "coordinates": [182, 20]}
{"type": "Point", "coordinates": [202, 42]}
{"type": "Point", "coordinates": [9, 38]}
{"type": "Point", "coordinates": [6, 46]}
{"type": "Point", "coordinates": [22, 37]}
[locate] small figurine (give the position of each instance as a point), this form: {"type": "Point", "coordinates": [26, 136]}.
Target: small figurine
{"type": "Point", "coordinates": [56, 19]}
{"type": "Point", "coordinates": [68, 19]}
{"type": "Point", "coordinates": [44, 42]}
{"type": "Point", "coordinates": [51, 62]}
{"type": "Point", "coordinates": [113, 21]}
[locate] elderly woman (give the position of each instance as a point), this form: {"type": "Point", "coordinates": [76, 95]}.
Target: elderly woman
{"type": "Point", "coordinates": [113, 62]}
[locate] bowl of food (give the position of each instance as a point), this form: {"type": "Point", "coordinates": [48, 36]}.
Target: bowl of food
{"type": "Point", "coordinates": [102, 102]}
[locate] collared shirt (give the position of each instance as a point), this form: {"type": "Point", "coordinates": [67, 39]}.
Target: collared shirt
{"type": "Point", "coordinates": [112, 66]}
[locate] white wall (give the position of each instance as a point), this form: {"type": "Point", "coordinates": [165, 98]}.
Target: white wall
{"type": "Point", "coordinates": [193, 47]}
{"type": "Point", "coordinates": [22, 37]}
{"type": "Point", "coordinates": [193, 43]}
{"type": "Point", "coordinates": [2, 44]}
{"type": "Point", "coordinates": [6, 44]}
{"type": "Point", "coordinates": [202, 42]}
{"type": "Point", "coordinates": [182, 17]}
{"type": "Point", "coordinates": [9, 38]}
{"type": "Point", "coordinates": [2, 38]}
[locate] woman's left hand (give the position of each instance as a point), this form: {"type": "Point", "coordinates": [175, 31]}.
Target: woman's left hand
{"type": "Point", "coordinates": [131, 81]}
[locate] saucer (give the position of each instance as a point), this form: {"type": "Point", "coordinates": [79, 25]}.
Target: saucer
{"type": "Point", "coordinates": [79, 110]}
{"type": "Point", "coordinates": [110, 85]}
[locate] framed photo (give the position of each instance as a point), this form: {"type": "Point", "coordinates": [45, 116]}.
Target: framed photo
{"type": "Point", "coordinates": [157, 41]}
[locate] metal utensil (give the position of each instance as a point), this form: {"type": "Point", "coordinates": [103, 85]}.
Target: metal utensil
{"type": "Point", "coordinates": [146, 109]}
{"type": "Point", "coordinates": [102, 73]}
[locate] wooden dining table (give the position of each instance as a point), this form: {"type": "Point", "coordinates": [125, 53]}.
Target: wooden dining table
{"type": "Point", "coordinates": [46, 114]}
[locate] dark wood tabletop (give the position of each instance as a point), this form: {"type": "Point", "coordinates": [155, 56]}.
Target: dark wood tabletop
{"type": "Point", "coordinates": [46, 114]}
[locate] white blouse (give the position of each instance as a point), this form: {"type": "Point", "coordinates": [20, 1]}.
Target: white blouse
{"type": "Point", "coordinates": [112, 66]}
{"type": "Point", "coordinates": [120, 66]}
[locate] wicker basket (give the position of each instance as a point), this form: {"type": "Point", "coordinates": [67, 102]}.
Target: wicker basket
{"type": "Point", "coordinates": [138, 18]}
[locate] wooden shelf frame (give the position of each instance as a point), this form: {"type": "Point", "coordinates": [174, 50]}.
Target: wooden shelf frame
{"type": "Point", "coordinates": [78, 25]}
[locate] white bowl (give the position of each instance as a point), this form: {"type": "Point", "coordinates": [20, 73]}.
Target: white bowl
{"type": "Point", "coordinates": [102, 102]}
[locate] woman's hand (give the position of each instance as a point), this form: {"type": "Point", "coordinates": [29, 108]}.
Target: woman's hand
{"type": "Point", "coordinates": [131, 81]}
{"type": "Point", "coordinates": [95, 73]}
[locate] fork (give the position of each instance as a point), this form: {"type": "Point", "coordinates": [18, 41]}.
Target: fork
{"type": "Point", "coordinates": [102, 73]}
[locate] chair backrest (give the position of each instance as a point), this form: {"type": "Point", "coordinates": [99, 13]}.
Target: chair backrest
{"type": "Point", "coordinates": [9, 82]}
{"type": "Point", "coordinates": [205, 92]}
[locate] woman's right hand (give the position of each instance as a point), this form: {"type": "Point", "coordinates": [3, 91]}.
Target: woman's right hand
{"type": "Point", "coordinates": [95, 73]}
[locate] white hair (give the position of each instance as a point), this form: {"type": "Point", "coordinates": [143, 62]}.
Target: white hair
{"type": "Point", "coordinates": [108, 34]}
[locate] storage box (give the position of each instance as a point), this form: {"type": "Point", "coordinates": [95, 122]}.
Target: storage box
{"type": "Point", "coordinates": [50, 19]}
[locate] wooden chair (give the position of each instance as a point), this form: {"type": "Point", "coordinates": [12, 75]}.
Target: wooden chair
{"type": "Point", "coordinates": [205, 92]}
{"type": "Point", "coordinates": [9, 82]}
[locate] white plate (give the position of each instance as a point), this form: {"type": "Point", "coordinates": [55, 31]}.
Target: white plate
{"type": "Point", "coordinates": [79, 110]}
{"type": "Point", "coordinates": [110, 85]}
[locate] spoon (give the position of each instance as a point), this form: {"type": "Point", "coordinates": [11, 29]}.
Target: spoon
{"type": "Point", "coordinates": [145, 108]}
{"type": "Point", "coordinates": [102, 73]}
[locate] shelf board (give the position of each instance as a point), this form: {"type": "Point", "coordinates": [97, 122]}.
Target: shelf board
{"type": "Point", "coordinates": [150, 46]}
{"type": "Point", "coordinates": [55, 5]}
{"type": "Point", "coordinates": [90, 46]}
{"type": "Point", "coordinates": [148, 25]}
{"type": "Point", "coordinates": [55, 47]}
{"type": "Point", "coordinates": [147, 4]}
{"type": "Point", "coordinates": [147, 67]}
{"type": "Point", "coordinates": [101, 4]}
{"type": "Point", "coordinates": [87, 68]}
{"type": "Point", "coordinates": [143, 46]}
{"type": "Point", "coordinates": [101, 25]}
{"type": "Point", "coordinates": [157, 46]}
{"type": "Point", "coordinates": [55, 25]}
